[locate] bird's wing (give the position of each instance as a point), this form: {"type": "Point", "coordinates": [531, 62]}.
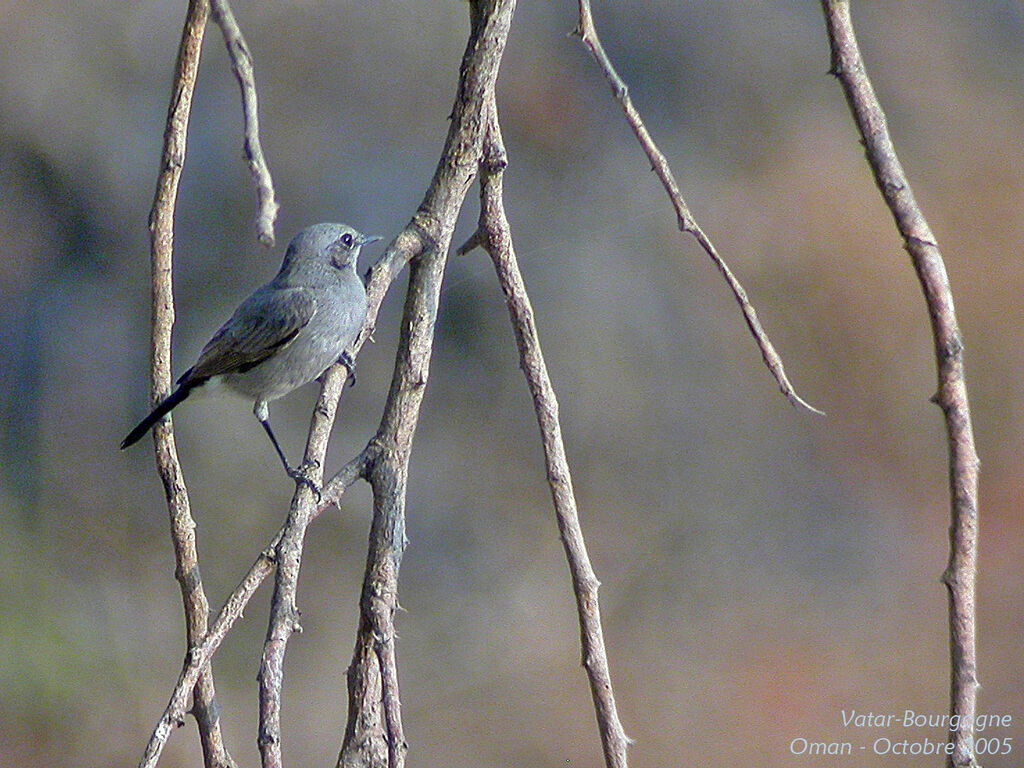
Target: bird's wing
{"type": "Point", "coordinates": [262, 324]}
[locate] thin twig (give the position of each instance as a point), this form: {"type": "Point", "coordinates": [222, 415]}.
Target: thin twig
{"type": "Point", "coordinates": [587, 33]}
{"type": "Point", "coordinates": [951, 396]}
{"type": "Point", "coordinates": [161, 228]}
{"type": "Point", "coordinates": [495, 236]}
{"type": "Point", "coordinates": [241, 65]}
{"type": "Point", "coordinates": [385, 460]}
{"type": "Point", "coordinates": [374, 734]}
{"type": "Point", "coordinates": [284, 613]}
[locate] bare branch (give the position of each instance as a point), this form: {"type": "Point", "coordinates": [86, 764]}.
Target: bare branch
{"type": "Point", "coordinates": [200, 655]}
{"type": "Point", "coordinates": [407, 245]}
{"type": "Point", "coordinates": [374, 734]}
{"type": "Point", "coordinates": [951, 396]}
{"type": "Point", "coordinates": [241, 65]}
{"type": "Point", "coordinates": [161, 228]}
{"type": "Point", "coordinates": [587, 33]}
{"type": "Point", "coordinates": [284, 614]}
{"type": "Point", "coordinates": [495, 236]}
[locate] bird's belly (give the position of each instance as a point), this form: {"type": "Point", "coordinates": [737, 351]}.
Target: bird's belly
{"type": "Point", "coordinates": [298, 363]}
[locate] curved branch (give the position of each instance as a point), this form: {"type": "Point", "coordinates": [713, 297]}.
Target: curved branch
{"type": "Point", "coordinates": [161, 228]}
{"type": "Point", "coordinates": [587, 33]}
{"type": "Point", "coordinates": [241, 65]}
{"type": "Point", "coordinates": [284, 614]}
{"type": "Point", "coordinates": [406, 246]}
{"type": "Point", "coordinates": [495, 236]}
{"type": "Point", "coordinates": [951, 396]}
{"type": "Point", "coordinates": [200, 655]}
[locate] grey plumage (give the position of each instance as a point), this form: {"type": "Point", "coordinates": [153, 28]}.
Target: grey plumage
{"type": "Point", "coordinates": [287, 332]}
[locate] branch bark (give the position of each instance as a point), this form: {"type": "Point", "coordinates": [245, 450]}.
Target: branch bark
{"type": "Point", "coordinates": [495, 236]}
{"type": "Point", "coordinates": [200, 655]}
{"type": "Point", "coordinates": [161, 228]}
{"type": "Point", "coordinates": [587, 33]}
{"type": "Point", "coordinates": [284, 614]}
{"type": "Point", "coordinates": [951, 395]}
{"type": "Point", "coordinates": [241, 65]}
{"type": "Point", "coordinates": [374, 735]}
{"type": "Point", "coordinates": [406, 246]}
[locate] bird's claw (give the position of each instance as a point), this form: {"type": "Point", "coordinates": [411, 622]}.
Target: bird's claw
{"type": "Point", "coordinates": [301, 475]}
{"type": "Point", "coordinates": [350, 366]}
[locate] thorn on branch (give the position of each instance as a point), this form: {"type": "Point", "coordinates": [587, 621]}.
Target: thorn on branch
{"type": "Point", "coordinates": [475, 240]}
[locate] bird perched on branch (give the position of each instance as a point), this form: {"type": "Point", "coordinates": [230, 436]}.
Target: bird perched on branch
{"type": "Point", "coordinates": [286, 333]}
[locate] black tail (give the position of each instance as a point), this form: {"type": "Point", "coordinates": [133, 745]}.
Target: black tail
{"type": "Point", "coordinates": [162, 409]}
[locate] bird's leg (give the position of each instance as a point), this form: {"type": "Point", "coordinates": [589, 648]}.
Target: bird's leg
{"type": "Point", "coordinates": [350, 366]}
{"type": "Point", "coordinates": [300, 475]}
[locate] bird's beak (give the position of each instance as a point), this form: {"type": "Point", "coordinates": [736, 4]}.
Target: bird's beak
{"type": "Point", "coordinates": [369, 239]}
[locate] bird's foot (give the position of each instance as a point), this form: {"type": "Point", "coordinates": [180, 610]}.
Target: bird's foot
{"type": "Point", "coordinates": [350, 366]}
{"type": "Point", "coordinates": [300, 474]}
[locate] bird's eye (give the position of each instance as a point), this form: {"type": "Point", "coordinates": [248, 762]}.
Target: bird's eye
{"type": "Point", "coordinates": [346, 240]}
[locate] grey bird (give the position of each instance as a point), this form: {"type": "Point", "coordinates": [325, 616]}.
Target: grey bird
{"type": "Point", "coordinates": [286, 333]}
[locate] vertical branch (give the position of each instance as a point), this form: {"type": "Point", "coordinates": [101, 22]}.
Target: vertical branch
{"type": "Point", "coordinates": [374, 736]}
{"type": "Point", "coordinates": [951, 396]}
{"type": "Point", "coordinates": [241, 65]}
{"type": "Point", "coordinates": [587, 33]}
{"type": "Point", "coordinates": [494, 235]}
{"type": "Point", "coordinates": [161, 227]}
{"type": "Point", "coordinates": [284, 614]}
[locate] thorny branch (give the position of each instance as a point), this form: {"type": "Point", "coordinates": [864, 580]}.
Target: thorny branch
{"type": "Point", "coordinates": [284, 614]}
{"type": "Point", "coordinates": [241, 65]}
{"type": "Point", "coordinates": [951, 396]}
{"type": "Point", "coordinates": [409, 243]}
{"type": "Point", "coordinates": [161, 228]}
{"type": "Point", "coordinates": [495, 236]}
{"type": "Point", "coordinates": [587, 33]}
{"type": "Point", "coordinates": [374, 735]}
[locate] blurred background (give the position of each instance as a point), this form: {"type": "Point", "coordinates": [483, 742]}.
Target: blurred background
{"type": "Point", "coordinates": [764, 569]}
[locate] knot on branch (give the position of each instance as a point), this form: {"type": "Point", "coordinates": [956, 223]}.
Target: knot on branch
{"type": "Point", "coordinates": [495, 163]}
{"type": "Point", "coordinates": [951, 346]}
{"type": "Point", "coordinates": [925, 242]}
{"type": "Point", "coordinates": [267, 739]}
{"type": "Point", "coordinates": [188, 577]}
